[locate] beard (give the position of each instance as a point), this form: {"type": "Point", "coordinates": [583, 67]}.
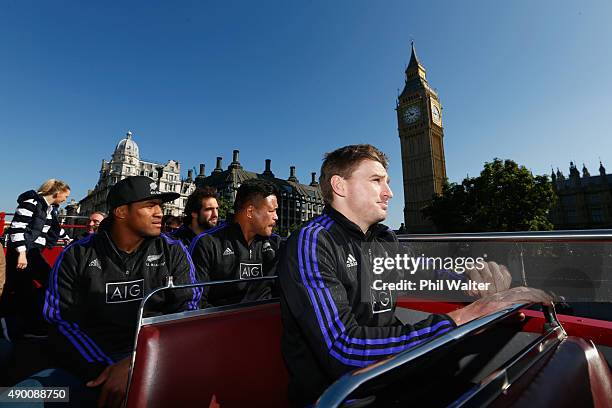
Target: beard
{"type": "Point", "coordinates": [207, 224]}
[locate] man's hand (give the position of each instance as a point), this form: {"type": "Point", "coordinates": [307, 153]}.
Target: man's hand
{"type": "Point", "coordinates": [22, 260]}
{"type": "Point", "coordinates": [114, 381]}
{"type": "Point", "coordinates": [496, 275]}
{"type": "Point", "coordinates": [499, 301]}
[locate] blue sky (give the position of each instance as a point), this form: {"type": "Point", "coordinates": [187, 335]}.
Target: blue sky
{"type": "Point", "coordinates": [290, 80]}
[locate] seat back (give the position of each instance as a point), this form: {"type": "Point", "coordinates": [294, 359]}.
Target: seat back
{"type": "Point", "coordinates": [229, 358]}
{"type": "Point", "coordinates": [573, 374]}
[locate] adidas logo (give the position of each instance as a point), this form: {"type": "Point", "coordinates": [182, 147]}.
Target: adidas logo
{"type": "Point", "coordinates": [228, 251]}
{"type": "Point", "coordinates": [95, 263]}
{"type": "Point", "coordinates": [351, 261]}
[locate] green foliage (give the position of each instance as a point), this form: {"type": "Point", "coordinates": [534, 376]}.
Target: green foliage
{"type": "Point", "coordinates": [225, 208]}
{"type": "Point", "coordinates": [505, 197]}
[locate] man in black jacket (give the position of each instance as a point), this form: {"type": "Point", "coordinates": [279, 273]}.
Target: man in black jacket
{"type": "Point", "coordinates": [97, 285]}
{"type": "Point", "coordinates": [201, 214]}
{"type": "Point", "coordinates": [334, 319]}
{"type": "Point", "coordinates": [243, 249]}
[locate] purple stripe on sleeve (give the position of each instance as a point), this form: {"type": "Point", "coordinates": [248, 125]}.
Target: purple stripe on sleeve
{"type": "Point", "coordinates": [53, 314]}
{"type": "Point", "coordinates": [197, 292]}
{"type": "Point", "coordinates": [303, 249]}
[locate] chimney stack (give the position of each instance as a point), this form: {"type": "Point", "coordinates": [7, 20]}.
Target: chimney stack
{"type": "Point", "coordinates": [235, 164]}
{"type": "Point", "coordinates": [202, 170]}
{"type": "Point", "coordinates": [189, 175]}
{"type": "Point", "coordinates": [219, 169]}
{"type": "Point", "coordinates": [313, 181]}
{"type": "Point", "coordinates": [268, 171]}
{"type": "Point", "coordinates": [292, 175]}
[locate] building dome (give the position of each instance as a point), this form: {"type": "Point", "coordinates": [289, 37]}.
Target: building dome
{"type": "Point", "coordinates": [127, 147]}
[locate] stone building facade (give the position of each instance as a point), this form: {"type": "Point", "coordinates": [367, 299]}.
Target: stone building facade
{"type": "Point", "coordinates": [585, 201]}
{"type": "Point", "coordinates": [125, 162]}
{"type": "Point", "coordinates": [297, 202]}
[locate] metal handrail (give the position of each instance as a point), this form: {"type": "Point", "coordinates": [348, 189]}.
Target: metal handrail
{"type": "Point", "coordinates": [85, 217]}
{"type": "Point", "coordinates": [339, 391]}
{"type": "Point", "coordinates": [496, 383]}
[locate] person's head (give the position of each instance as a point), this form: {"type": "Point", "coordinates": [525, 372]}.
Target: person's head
{"type": "Point", "coordinates": [354, 181]}
{"type": "Point", "coordinates": [56, 190]}
{"type": "Point", "coordinates": [171, 223]}
{"type": "Point", "coordinates": [136, 206]}
{"type": "Point", "coordinates": [202, 208]}
{"type": "Point", "coordinates": [94, 221]}
{"type": "Point", "coordinates": [255, 206]}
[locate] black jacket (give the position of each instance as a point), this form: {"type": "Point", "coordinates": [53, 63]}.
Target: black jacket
{"type": "Point", "coordinates": [183, 234]}
{"type": "Point", "coordinates": [328, 330]}
{"type": "Point", "coordinates": [95, 291]}
{"type": "Point", "coordinates": [34, 225]}
{"type": "Point", "coordinates": [222, 253]}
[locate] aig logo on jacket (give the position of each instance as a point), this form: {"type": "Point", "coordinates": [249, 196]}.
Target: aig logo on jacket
{"type": "Point", "coordinates": [119, 292]}
{"type": "Point", "coordinates": [250, 270]}
{"type": "Point", "coordinates": [382, 300]}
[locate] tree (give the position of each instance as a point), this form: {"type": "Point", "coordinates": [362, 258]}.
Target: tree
{"type": "Point", "coordinates": [225, 208]}
{"type": "Point", "coordinates": [505, 197]}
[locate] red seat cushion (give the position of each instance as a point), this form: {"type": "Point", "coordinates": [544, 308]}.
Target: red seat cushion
{"type": "Point", "coordinates": [231, 358]}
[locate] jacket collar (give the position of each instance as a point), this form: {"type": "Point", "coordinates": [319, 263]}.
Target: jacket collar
{"type": "Point", "coordinates": [236, 231]}
{"type": "Point", "coordinates": [352, 228]}
{"type": "Point", "coordinates": [105, 236]}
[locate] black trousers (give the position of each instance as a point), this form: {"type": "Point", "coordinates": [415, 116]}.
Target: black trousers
{"type": "Point", "coordinates": [24, 294]}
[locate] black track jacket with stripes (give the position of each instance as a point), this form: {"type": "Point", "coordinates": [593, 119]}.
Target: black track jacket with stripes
{"type": "Point", "coordinates": [222, 253]}
{"type": "Point", "coordinates": [327, 329]}
{"type": "Point", "coordinates": [95, 291]}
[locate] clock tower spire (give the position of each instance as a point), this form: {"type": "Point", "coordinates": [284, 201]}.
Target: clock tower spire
{"type": "Point", "coordinates": [419, 118]}
{"type": "Point", "coordinates": [415, 69]}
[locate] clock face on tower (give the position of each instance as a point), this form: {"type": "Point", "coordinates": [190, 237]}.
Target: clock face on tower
{"type": "Point", "coordinates": [412, 114]}
{"type": "Point", "coordinates": [436, 116]}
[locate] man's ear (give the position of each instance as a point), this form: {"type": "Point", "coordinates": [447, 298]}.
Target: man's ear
{"type": "Point", "coordinates": [194, 215]}
{"type": "Point", "coordinates": [338, 185]}
{"type": "Point", "coordinates": [121, 212]}
{"type": "Point", "coordinates": [249, 210]}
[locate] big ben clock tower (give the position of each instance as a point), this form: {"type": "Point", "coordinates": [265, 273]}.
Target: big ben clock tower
{"type": "Point", "coordinates": [419, 119]}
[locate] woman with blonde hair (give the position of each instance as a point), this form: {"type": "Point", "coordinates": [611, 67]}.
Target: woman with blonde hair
{"type": "Point", "coordinates": [34, 226]}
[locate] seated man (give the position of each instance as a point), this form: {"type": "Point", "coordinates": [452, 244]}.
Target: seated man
{"type": "Point", "coordinates": [96, 288]}
{"type": "Point", "coordinates": [201, 214]}
{"type": "Point", "coordinates": [243, 249]}
{"type": "Point", "coordinates": [94, 221]}
{"type": "Point", "coordinates": [333, 320]}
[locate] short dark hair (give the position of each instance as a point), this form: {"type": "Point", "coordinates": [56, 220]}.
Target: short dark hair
{"type": "Point", "coordinates": [252, 190]}
{"type": "Point", "coordinates": [343, 161]}
{"type": "Point", "coordinates": [168, 219]}
{"type": "Point", "coordinates": [194, 201]}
